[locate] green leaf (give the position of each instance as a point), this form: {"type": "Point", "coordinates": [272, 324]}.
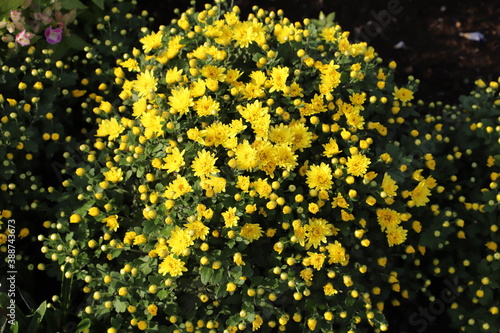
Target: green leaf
{"type": "Point", "coordinates": [7, 5]}
{"type": "Point", "coordinates": [83, 209]}
{"type": "Point", "coordinates": [497, 160]}
{"type": "Point", "coordinates": [120, 306]}
{"type": "Point", "coordinates": [99, 3]}
{"type": "Point", "coordinates": [76, 42]}
{"type": "Point", "coordinates": [146, 268]}
{"type": "Point", "coordinates": [217, 276]}
{"type": "Point", "coordinates": [162, 294]}
{"type": "Point", "coordinates": [83, 325]}
{"type": "Point", "coordinates": [37, 317]}
{"type": "Point", "coordinates": [15, 328]}
{"type": "Point", "coordinates": [30, 146]}
{"type": "Point", "coordinates": [140, 172]}
{"type": "Point", "coordinates": [236, 272]}
{"type": "Point", "coordinates": [73, 4]}
{"type": "Point", "coordinates": [206, 274]}
{"type": "Point", "coordinates": [330, 17]}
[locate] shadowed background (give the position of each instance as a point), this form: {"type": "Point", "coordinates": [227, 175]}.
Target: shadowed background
{"type": "Point", "coordinates": [423, 37]}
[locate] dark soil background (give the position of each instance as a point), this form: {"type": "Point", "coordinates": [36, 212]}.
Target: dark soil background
{"type": "Point", "coordinates": [446, 63]}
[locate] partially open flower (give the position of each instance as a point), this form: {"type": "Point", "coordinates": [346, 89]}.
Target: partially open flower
{"type": "Point", "coordinates": [53, 36]}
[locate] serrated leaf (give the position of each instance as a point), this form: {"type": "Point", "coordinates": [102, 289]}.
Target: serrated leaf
{"type": "Point", "coordinates": [162, 294]}
{"type": "Point", "coordinates": [83, 209]}
{"type": "Point", "coordinates": [146, 268]}
{"type": "Point", "coordinates": [120, 306]}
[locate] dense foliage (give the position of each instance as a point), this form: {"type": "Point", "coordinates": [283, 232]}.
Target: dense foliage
{"type": "Point", "coordinates": [243, 174]}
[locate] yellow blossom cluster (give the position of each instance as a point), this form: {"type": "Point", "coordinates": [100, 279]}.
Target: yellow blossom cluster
{"type": "Point", "coordinates": [265, 173]}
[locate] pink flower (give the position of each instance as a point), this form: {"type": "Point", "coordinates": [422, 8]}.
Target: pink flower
{"type": "Point", "coordinates": [14, 23]}
{"type": "Point", "coordinates": [52, 35]}
{"type": "Point", "coordinates": [23, 38]}
{"type": "Point", "coordinates": [15, 15]}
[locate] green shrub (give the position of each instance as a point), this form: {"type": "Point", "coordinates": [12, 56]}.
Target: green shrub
{"type": "Point", "coordinates": [255, 174]}
{"type": "Point", "coordinates": [465, 246]}
{"type": "Point", "coordinates": [46, 90]}
{"type": "Point", "coordinates": [250, 175]}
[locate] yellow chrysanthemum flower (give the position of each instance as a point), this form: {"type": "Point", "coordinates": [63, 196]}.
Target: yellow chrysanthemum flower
{"type": "Point", "coordinates": [251, 231]}
{"type": "Point", "coordinates": [337, 253]}
{"type": "Point", "coordinates": [180, 101]}
{"type": "Point", "coordinates": [204, 164]}
{"type": "Point", "coordinates": [316, 232]}
{"type": "Point", "coordinates": [178, 187]}
{"type": "Point", "coordinates": [110, 128]}
{"type": "Point", "coordinates": [389, 185]}
{"type": "Point", "coordinates": [396, 235]}
{"type": "Point", "coordinates": [114, 175]}
{"type": "Point", "coordinates": [172, 266]}
{"type": "Point", "coordinates": [420, 194]}
{"type": "Point", "coordinates": [388, 218]}
{"type": "Point", "coordinates": [403, 94]}
{"type": "Point", "coordinates": [230, 217]}
{"type": "Point", "coordinates": [174, 161]}
{"type": "Point", "coordinates": [319, 177]}
{"type": "Point", "coordinates": [111, 222]}
{"type": "Point", "coordinates": [152, 41]}
{"type": "Point", "coordinates": [180, 239]}
{"type": "Point", "coordinates": [357, 165]}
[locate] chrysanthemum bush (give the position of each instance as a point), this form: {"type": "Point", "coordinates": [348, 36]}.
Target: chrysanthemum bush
{"type": "Point", "coordinates": [252, 174]}
{"type": "Point", "coordinates": [45, 116]}
{"type": "Point", "coordinates": [464, 243]}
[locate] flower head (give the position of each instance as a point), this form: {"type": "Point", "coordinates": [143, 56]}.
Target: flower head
{"type": "Point", "coordinates": [204, 164]}
{"type": "Point", "coordinates": [316, 232]}
{"type": "Point", "coordinates": [319, 177]}
{"type": "Point", "coordinates": [152, 41]}
{"type": "Point", "coordinates": [420, 194]}
{"type": "Point", "coordinates": [337, 254]}
{"type": "Point", "coordinates": [403, 94]}
{"type": "Point", "coordinates": [111, 222]}
{"type": "Point", "coordinates": [389, 185]}
{"type": "Point", "coordinates": [53, 36]}
{"type": "Point", "coordinates": [23, 38]}
{"type": "Point", "coordinates": [180, 239]}
{"type": "Point", "coordinates": [114, 175]}
{"type": "Point", "coordinates": [251, 231]}
{"type": "Point", "coordinates": [357, 165]}
{"type": "Point", "coordinates": [396, 235]}
{"type": "Point", "coordinates": [172, 266]}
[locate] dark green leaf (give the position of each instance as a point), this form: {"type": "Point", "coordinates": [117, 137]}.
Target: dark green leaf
{"type": "Point", "coordinates": [7, 5]}
{"type": "Point", "coordinates": [83, 325]}
{"type": "Point", "coordinates": [83, 209]}
{"type": "Point", "coordinates": [37, 317]}
{"type": "Point", "coordinates": [73, 4]}
{"type": "Point", "coordinates": [76, 42]}
{"type": "Point", "coordinates": [217, 276]}
{"type": "Point", "coordinates": [206, 274]}
{"type": "Point", "coordinates": [99, 3]}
